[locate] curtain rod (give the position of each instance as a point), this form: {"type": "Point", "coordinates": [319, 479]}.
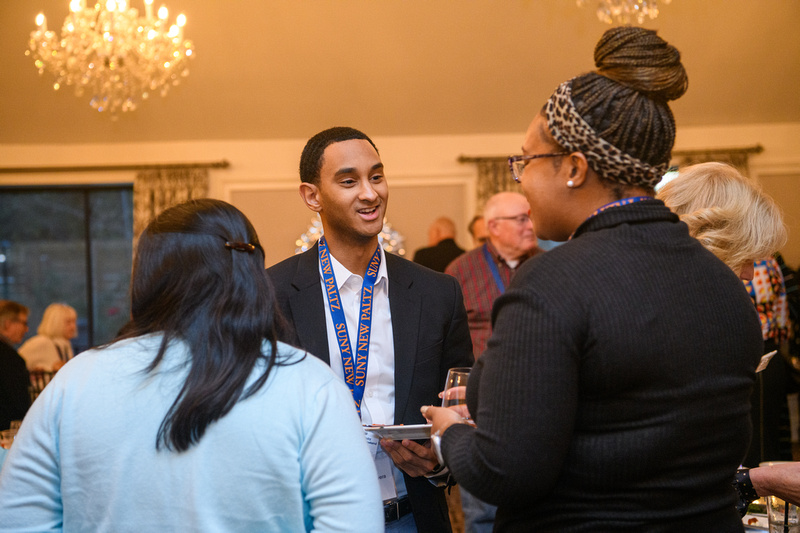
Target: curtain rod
{"type": "Point", "coordinates": [757, 149]}
{"type": "Point", "coordinates": [113, 168]}
{"type": "Point", "coordinates": [481, 159]}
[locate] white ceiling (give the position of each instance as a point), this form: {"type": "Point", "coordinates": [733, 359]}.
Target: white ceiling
{"type": "Point", "coordinates": [267, 69]}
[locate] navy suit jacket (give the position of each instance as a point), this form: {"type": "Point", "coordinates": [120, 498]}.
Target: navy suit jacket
{"type": "Point", "coordinates": [430, 332]}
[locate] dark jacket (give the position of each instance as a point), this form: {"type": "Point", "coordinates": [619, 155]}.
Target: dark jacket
{"type": "Point", "coordinates": [438, 257]}
{"type": "Point", "coordinates": [431, 335]}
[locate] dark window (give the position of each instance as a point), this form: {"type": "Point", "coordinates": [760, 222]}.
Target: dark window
{"type": "Point", "coordinates": [70, 245]}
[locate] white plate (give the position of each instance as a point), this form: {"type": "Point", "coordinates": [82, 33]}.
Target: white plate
{"type": "Point", "coordinates": [400, 432]}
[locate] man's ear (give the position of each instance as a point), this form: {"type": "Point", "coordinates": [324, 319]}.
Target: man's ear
{"type": "Point", "coordinates": [310, 195]}
{"type": "Point", "coordinates": [491, 227]}
{"type": "Point", "coordinates": [577, 168]}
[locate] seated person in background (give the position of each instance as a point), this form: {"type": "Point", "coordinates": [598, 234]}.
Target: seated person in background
{"type": "Point", "coordinates": [50, 348]}
{"type": "Point", "coordinates": [442, 247]}
{"type": "Point", "coordinates": [198, 420]}
{"type": "Point", "coordinates": [477, 228]}
{"type": "Point", "coordinates": [14, 381]}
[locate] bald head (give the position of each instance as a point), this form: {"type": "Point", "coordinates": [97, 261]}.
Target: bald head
{"type": "Point", "coordinates": [442, 228]}
{"type": "Point", "coordinates": [510, 228]}
{"type": "Point", "coordinates": [501, 203]}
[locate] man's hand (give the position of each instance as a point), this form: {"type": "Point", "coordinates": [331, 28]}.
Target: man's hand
{"type": "Point", "coordinates": [412, 458]}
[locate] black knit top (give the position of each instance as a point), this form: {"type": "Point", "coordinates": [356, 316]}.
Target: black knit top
{"type": "Point", "coordinates": [614, 392]}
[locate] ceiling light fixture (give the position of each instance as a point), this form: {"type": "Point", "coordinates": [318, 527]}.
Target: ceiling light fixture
{"type": "Point", "coordinates": [113, 54]}
{"type": "Point", "coordinates": [626, 11]}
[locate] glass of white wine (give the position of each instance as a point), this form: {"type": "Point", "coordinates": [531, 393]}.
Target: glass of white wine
{"type": "Point", "coordinates": [455, 387]}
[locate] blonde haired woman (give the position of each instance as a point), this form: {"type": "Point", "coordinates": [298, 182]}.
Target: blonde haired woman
{"type": "Point", "coordinates": [727, 213]}
{"type": "Point", "coordinates": [740, 224]}
{"type": "Point", "coordinates": [51, 347]}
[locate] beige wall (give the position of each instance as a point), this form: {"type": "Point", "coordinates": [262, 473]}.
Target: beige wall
{"type": "Point", "coordinates": [426, 181]}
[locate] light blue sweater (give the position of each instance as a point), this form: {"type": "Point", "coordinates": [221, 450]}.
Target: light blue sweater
{"type": "Point", "coordinates": [293, 457]}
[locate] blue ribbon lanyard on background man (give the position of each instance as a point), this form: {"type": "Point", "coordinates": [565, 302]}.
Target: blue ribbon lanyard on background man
{"type": "Point", "coordinates": [493, 267]}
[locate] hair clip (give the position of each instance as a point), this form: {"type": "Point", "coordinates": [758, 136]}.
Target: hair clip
{"type": "Point", "coordinates": [240, 246]}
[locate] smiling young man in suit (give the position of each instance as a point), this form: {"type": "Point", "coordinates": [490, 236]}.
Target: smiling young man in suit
{"type": "Point", "coordinates": [390, 328]}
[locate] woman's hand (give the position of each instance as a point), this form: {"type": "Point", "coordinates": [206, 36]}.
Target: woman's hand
{"type": "Point", "coordinates": [442, 418]}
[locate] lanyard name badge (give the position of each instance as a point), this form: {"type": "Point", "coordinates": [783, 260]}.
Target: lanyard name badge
{"type": "Point", "coordinates": [493, 267]}
{"type": "Point", "coordinates": [354, 367]}
{"type": "Point", "coordinates": [617, 203]}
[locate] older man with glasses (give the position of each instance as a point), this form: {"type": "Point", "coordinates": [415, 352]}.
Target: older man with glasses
{"type": "Point", "coordinates": [484, 273]}
{"type": "Point", "coordinates": [14, 379]}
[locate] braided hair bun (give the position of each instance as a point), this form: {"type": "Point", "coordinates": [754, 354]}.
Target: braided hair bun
{"type": "Point", "coordinates": [625, 100]}
{"type": "Point", "coordinates": [639, 59]}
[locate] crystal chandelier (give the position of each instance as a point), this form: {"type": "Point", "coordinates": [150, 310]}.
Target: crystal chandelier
{"type": "Point", "coordinates": [111, 53]}
{"type": "Point", "coordinates": [626, 11]}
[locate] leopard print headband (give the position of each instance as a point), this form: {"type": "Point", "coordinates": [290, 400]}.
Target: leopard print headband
{"type": "Point", "coordinates": [574, 134]}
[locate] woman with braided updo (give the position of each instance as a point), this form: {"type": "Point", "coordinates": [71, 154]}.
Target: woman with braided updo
{"type": "Point", "coordinates": [613, 394]}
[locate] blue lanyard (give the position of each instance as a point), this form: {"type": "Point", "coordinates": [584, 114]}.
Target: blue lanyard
{"type": "Point", "coordinates": [624, 201]}
{"type": "Point", "coordinates": [494, 269]}
{"type": "Point", "coordinates": [617, 203]}
{"type": "Point", "coordinates": [355, 372]}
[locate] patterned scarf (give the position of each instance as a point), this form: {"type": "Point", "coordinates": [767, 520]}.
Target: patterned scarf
{"type": "Point", "coordinates": [574, 134]}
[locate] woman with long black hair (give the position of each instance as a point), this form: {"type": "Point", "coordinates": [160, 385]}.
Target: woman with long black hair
{"type": "Point", "coordinates": [197, 420]}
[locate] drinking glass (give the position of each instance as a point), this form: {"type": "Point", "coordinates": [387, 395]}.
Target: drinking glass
{"type": "Point", "coordinates": [783, 516]}
{"type": "Point", "coordinates": [455, 387]}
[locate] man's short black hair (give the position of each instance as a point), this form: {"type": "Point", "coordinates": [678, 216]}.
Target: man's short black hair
{"type": "Point", "coordinates": [311, 159]}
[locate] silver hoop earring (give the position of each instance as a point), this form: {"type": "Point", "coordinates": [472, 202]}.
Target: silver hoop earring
{"type": "Point", "coordinates": [570, 184]}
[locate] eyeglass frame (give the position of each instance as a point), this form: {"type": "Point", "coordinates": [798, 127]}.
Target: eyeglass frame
{"type": "Point", "coordinates": [519, 219]}
{"type": "Point", "coordinates": [518, 158]}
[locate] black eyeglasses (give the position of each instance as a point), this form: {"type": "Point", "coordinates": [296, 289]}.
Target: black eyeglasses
{"type": "Point", "coordinates": [516, 163]}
